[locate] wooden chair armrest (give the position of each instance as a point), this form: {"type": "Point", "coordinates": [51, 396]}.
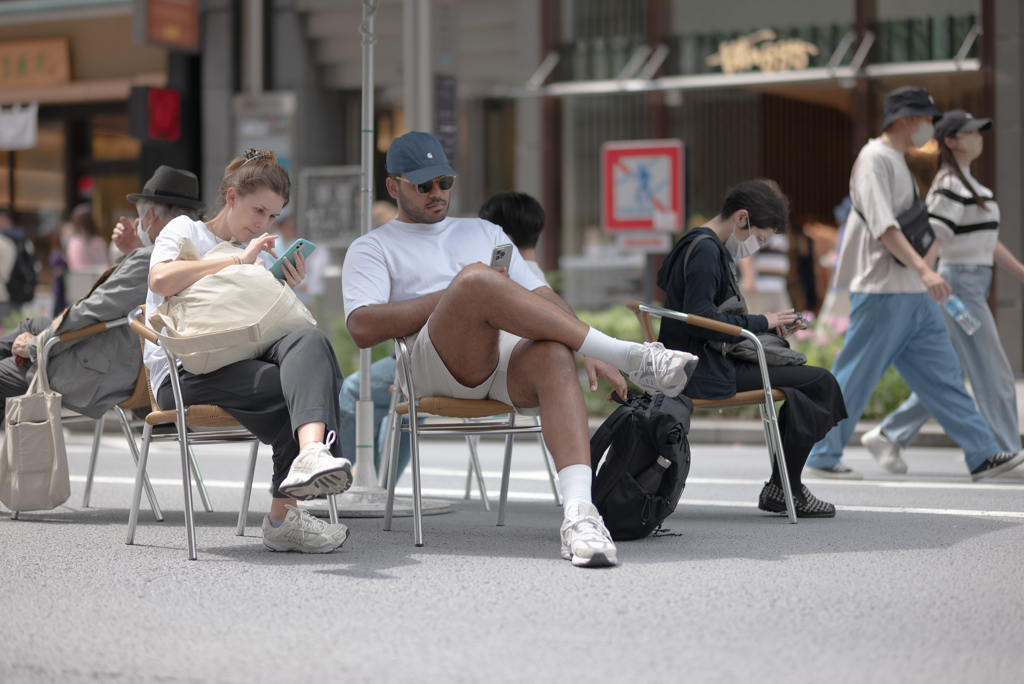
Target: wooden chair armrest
{"type": "Point", "coordinates": [717, 326]}
{"type": "Point", "coordinates": [142, 330]}
{"type": "Point", "coordinates": [83, 332]}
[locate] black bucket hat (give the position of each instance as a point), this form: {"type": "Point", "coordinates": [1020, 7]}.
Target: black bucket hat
{"type": "Point", "coordinates": [908, 101]}
{"type": "Point", "coordinates": [956, 120]}
{"type": "Point", "coordinates": [171, 186]}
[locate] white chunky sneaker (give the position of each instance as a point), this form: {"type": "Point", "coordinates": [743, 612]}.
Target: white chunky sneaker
{"type": "Point", "coordinates": [585, 539]}
{"type": "Point", "coordinates": [885, 451]}
{"type": "Point", "coordinates": [303, 533]}
{"type": "Point", "coordinates": [316, 471]}
{"type": "Point", "coordinates": [659, 370]}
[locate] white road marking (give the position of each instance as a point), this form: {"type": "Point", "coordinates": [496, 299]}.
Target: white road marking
{"type": "Point", "coordinates": [868, 509]}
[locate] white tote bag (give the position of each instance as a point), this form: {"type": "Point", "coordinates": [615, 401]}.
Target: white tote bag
{"type": "Point", "coordinates": [33, 459]}
{"type": "Point", "coordinates": [228, 316]}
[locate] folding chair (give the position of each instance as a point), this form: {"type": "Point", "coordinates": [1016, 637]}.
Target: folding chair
{"type": "Point", "coordinates": [448, 408]}
{"type": "Point", "coordinates": [474, 469]}
{"type": "Point", "coordinates": [224, 429]}
{"type": "Point", "coordinates": [765, 399]}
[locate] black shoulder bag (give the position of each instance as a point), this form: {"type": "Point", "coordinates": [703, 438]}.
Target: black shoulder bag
{"type": "Point", "coordinates": [914, 224]}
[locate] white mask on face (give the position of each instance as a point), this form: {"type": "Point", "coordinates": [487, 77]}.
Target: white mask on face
{"type": "Point", "coordinates": [971, 145]}
{"type": "Point", "coordinates": [143, 233]}
{"type": "Point", "coordinates": [925, 131]}
{"type": "Point", "coordinates": [741, 250]}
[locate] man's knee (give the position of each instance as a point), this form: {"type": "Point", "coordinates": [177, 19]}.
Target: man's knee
{"type": "Point", "coordinates": [552, 360]}
{"type": "Point", "coordinates": [476, 278]}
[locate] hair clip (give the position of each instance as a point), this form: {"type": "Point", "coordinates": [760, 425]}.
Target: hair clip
{"type": "Point", "coordinates": [251, 155]}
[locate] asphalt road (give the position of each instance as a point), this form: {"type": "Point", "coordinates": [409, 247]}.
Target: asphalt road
{"type": "Point", "coordinates": [917, 579]}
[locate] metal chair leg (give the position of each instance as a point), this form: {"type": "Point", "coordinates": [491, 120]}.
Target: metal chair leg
{"type": "Point", "coordinates": [197, 479]}
{"type": "Point", "coordinates": [97, 433]}
{"type": "Point", "coordinates": [474, 467]}
{"type": "Point", "coordinates": [395, 428]}
{"type": "Point", "coordinates": [140, 474]}
{"type": "Point", "coordinates": [14, 515]}
{"type": "Point", "coordinates": [417, 497]}
{"type": "Point", "coordinates": [133, 447]}
{"type": "Point", "coordinates": [775, 449]}
{"type": "Point", "coordinates": [332, 508]}
{"type": "Point", "coordinates": [385, 449]}
{"type": "Point", "coordinates": [506, 470]}
{"type": "Point", "coordinates": [250, 473]}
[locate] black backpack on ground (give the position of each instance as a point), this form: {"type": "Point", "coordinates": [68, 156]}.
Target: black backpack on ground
{"type": "Point", "coordinates": [646, 441]}
{"type": "Point", "coordinates": [21, 286]}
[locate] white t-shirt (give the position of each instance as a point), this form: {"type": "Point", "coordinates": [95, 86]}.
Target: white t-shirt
{"type": "Point", "coordinates": [969, 233]}
{"type": "Point", "coordinates": [881, 187]}
{"type": "Point", "coordinates": [166, 249]}
{"type": "Point", "coordinates": [402, 261]}
{"type": "Point", "coordinates": [537, 271]}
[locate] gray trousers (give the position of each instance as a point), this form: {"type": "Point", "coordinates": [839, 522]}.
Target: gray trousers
{"type": "Point", "coordinates": [14, 378]}
{"type": "Point", "coordinates": [295, 382]}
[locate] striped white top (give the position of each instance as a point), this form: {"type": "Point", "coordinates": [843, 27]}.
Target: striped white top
{"type": "Point", "coordinates": [968, 232]}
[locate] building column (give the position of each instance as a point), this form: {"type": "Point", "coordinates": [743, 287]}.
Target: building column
{"type": "Point", "coordinates": [219, 83]}
{"type": "Point", "coordinates": [1008, 20]}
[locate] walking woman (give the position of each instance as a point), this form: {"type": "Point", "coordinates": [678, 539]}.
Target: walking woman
{"type": "Point", "coordinates": [288, 396]}
{"type": "Point", "coordinates": [697, 279]}
{"type": "Point", "coordinates": [965, 217]}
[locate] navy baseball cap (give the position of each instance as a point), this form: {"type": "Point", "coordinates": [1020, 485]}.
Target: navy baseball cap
{"type": "Point", "coordinates": [956, 120]}
{"type": "Point", "coordinates": [419, 157]}
{"type": "Point", "coordinates": [909, 101]}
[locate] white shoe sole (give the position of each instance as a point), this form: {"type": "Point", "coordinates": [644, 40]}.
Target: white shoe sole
{"type": "Point", "coordinates": [687, 372]}
{"type": "Point", "coordinates": [829, 475]}
{"type": "Point", "coordinates": [598, 560]}
{"type": "Point", "coordinates": [885, 452]}
{"type": "Point", "coordinates": [288, 546]}
{"type": "Point", "coordinates": [1000, 469]}
{"type": "Point", "coordinates": [325, 482]}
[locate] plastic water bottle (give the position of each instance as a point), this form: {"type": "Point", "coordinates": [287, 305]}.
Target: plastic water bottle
{"type": "Point", "coordinates": [650, 479]}
{"type": "Point", "coordinates": [953, 306]}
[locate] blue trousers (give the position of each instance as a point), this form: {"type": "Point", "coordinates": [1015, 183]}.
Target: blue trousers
{"type": "Point", "coordinates": [382, 376]}
{"type": "Point", "coordinates": [907, 331]}
{"type": "Point", "coordinates": [982, 358]}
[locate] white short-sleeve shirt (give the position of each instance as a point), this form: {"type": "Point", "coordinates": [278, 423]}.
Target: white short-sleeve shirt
{"type": "Point", "coordinates": [881, 188]}
{"type": "Point", "coordinates": [165, 248]}
{"type": "Point", "coordinates": [402, 261]}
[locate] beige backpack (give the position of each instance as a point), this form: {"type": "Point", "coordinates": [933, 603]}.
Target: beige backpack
{"type": "Point", "coordinates": [228, 316]}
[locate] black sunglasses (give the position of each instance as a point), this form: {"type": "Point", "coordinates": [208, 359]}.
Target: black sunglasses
{"type": "Point", "coordinates": [443, 182]}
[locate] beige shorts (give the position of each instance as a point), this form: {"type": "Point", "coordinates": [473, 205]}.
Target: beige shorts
{"type": "Point", "coordinates": [433, 379]}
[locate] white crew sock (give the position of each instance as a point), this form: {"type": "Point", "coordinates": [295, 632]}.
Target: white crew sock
{"type": "Point", "coordinates": [602, 347]}
{"type": "Point", "coordinates": [574, 482]}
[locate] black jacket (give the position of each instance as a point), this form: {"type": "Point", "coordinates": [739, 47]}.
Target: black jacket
{"type": "Point", "coordinates": [705, 285]}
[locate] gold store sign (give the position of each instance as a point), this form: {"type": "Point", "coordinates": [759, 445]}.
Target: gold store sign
{"type": "Point", "coordinates": [761, 50]}
{"type": "Point", "coordinates": [32, 63]}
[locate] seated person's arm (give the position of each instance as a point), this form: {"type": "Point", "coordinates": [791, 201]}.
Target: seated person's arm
{"type": "Point", "coordinates": [371, 325]}
{"type": "Point", "coordinates": [168, 278]}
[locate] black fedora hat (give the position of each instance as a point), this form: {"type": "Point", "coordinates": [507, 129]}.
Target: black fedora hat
{"type": "Point", "coordinates": [171, 186]}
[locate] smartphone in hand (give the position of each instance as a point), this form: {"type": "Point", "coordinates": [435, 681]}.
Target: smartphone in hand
{"type": "Point", "coordinates": [799, 324]}
{"type": "Point", "coordinates": [302, 246]}
{"type": "Point", "coordinates": [502, 256]}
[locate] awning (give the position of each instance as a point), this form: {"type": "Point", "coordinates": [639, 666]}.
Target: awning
{"type": "Point", "coordinates": [78, 92]}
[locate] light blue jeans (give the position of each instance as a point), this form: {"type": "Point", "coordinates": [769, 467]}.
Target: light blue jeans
{"type": "Point", "coordinates": [982, 358]}
{"type": "Point", "coordinates": [382, 376]}
{"type": "Point", "coordinates": [907, 331]}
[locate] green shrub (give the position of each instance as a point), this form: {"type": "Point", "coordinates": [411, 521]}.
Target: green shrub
{"type": "Point", "coordinates": [347, 351]}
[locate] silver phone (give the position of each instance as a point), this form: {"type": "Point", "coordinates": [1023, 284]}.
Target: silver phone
{"type": "Point", "coordinates": [502, 256]}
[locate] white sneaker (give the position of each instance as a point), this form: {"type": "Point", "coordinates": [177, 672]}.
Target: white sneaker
{"type": "Point", "coordinates": [585, 539]}
{"type": "Point", "coordinates": [885, 451]}
{"type": "Point", "coordinates": [303, 533]}
{"type": "Point", "coordinates": [659, 370]}
{"type": "Point", "coordinates": [316, 471]}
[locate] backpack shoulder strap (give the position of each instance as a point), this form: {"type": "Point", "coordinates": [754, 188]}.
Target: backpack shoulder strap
{"type": "Point", "coordinates": [602, 439]}
{"type": "Point", "coordinates": [689, 251]}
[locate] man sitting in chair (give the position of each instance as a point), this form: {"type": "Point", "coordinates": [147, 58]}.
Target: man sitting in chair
{"type": "Point", "coordinates": [482, 332]}
{"type": "Point", "coordinates": [97, 372]}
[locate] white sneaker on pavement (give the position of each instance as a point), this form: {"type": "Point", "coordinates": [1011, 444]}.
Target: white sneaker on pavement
{"type": "Point", "coordinates": [303, 533]}
{"type": "Point", "coordinates": [835, 472]}
{"type": "Point", "coordinates": [316, 471]}
{"type": "Point", "coordinates": [885, 451]}
{"type": "Point", "coordinates": [585, 539]}
{"type": "Point", "coordinates": [659, 370]}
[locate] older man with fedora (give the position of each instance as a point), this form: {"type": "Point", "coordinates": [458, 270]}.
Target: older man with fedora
{"type": "Point", "coordinates": [97, 372]}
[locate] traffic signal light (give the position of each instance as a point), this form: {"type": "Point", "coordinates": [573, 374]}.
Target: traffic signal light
{"type": "Point", "coordinates": [155, 114]}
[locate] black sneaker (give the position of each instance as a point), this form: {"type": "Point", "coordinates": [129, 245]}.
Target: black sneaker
{"type": "Point", "coordinates": [773, 500]}
{"type": "Point", "coordinates": [997, 465]}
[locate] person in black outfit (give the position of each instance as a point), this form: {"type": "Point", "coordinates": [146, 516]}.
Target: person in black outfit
{"type": "Point", "coordinates": [751, 212]}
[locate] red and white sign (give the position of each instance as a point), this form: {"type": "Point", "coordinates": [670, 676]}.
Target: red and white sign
{"type": "Point", "coordinates": [642, 185]}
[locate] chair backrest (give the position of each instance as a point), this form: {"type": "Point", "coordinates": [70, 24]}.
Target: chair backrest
{"type": "Point", "coordinates": [139, 326]}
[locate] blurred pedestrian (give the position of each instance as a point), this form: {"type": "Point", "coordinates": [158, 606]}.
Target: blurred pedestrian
{"type": "Point", "coordinates": [764, 277]}
{"type": "Point", "coordinates": [522, 218]}
{"type": "Point", "coordinates": [965, 218]}
{"type": "Point", "coordinates": [8, 255]}
{"type": "Point", "coordinates": [86, 251]}
{"type": "Point", "coordinates": [893, 318]}
{"type": "Point", "coordinates": [57, 264]}
{"type": "Point", "coordinates": [311, 289]}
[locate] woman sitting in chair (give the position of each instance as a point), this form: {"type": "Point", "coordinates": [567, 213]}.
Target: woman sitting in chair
{"type": "Point", "coordinates": [288, 396]}
{"type": "Point", "coordinates": [697, 278]}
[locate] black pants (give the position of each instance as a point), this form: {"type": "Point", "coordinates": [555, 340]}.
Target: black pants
{"type": "Point", "coordinates": [297, 381]}
{"type": "Point", "coordinates": [814, 405]}
{"type": "Point", "coordinates": [13, 378]}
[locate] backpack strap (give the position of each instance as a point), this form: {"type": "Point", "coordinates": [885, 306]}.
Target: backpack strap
{"type": "Point", "coordinates": [602, 439]}
{"type": "Point", "coordinates": [732, 278]}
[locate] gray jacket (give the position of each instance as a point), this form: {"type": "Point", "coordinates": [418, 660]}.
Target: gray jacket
{"type": "Point", "coordinates": [96, 373]}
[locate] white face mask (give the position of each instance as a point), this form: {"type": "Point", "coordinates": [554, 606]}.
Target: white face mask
{"type": "Point", "coordinates": [971, 145]}
{"type": "Point", "coordinates": [741, 250]}
{"type": "Point", "coordinates": [925, 131]}
{"type": "Point", "coordinates": [143, 233]}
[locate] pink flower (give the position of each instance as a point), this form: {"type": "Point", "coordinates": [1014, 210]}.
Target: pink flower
{"type": "Point", "coordinates": [842, 324]}
{"type": "Point", "coordinates": [804, 335]}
